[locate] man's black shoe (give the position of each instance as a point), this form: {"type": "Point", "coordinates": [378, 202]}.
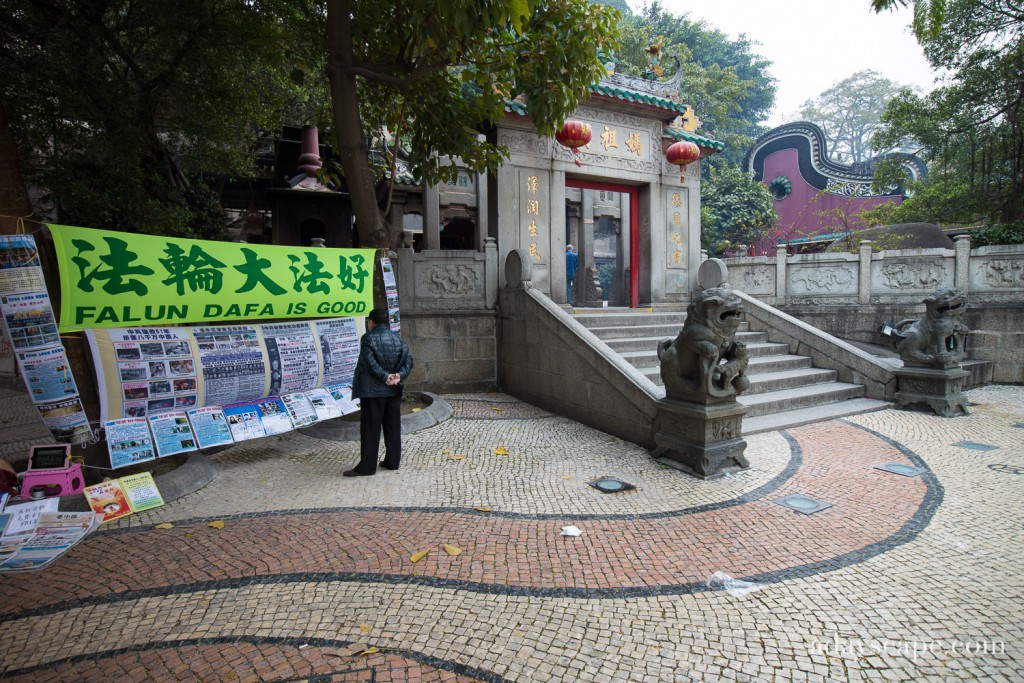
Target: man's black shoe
{"type": "Point", "coordinates": [386, 467]}
{"type": "Point", "coordinates": [354, 473]}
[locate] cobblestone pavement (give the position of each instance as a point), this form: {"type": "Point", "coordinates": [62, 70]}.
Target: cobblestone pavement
{"type": "Point", "coordinates": [312, 576]}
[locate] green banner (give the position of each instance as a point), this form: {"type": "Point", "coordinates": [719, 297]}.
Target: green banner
{"type": "Point", "coordinates": [118, 279]}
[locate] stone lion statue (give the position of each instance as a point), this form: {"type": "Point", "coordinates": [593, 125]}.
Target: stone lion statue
{"type": "Point", "coordinates": [705, 363]}
{"type": "Point", "coordinates": [937, 340]}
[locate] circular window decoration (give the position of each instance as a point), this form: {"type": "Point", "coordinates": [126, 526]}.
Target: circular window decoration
{"type": "Point", "coordinates": [780, 186]}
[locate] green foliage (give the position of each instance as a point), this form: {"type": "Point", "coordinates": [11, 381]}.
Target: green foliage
{"type": "Point", "coordinates": [1009, 233]}
{"type": "Point", "coordinates": [849, 113]}
{"type": "Point", "coordinates": [120, 107]}
{"type": "Point", "coordinates": [435, 75]}
{"type": "Point", "coordinates": [725, 82]}
{"type": "Point", "coordinates": [970, 130]}
{"type": "Point", "coordinates": [735, 209]}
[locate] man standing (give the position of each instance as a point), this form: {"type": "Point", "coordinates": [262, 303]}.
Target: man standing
{"type": "Point", "coordinates": [570, 271]}
{"type": "Point", "coordinates": [384, 363]}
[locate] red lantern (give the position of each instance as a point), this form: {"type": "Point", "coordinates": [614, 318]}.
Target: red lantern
{"type": "Point", "coordinates": [682, 153]}
{"type": "Point", "coordinates": [574, 134]}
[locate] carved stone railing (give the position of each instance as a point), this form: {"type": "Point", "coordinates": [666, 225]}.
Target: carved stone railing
{"type": "Point", "coordinates": [447, 281]}
{"type": "Point", "coordinates": [904, 276]}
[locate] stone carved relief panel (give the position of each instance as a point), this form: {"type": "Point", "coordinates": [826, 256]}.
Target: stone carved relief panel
{"type": "Point", "coordinates": [759, 280]}
{"type": "Point", "coordinates": [1004, 273]}
{"type": "Point", "coordinates": [451, 281]}
{"type": "Point", "coordinates": [524, 143]}
{"type": "Point", "coordinates": [824, 279]}
{"type": "Point", "coordinates": [928, 274]}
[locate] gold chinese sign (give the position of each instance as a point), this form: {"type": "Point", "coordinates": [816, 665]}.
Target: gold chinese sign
{"type": "Point", "coordinates": [534, 214]}
{"type": "Point", "coordinates": [676, 210]}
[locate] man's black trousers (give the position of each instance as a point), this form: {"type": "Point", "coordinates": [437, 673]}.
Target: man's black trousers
{"type": "Point", "coordinates": [375, 414]}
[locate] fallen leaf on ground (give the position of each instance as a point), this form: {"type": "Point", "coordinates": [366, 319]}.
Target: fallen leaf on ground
{"type": "Point", "coordinates": [566, 476]}
{"type": "Point", "coordinates": [497, 409]}
{"type": "Point", "coordinates": [420, 555]}
{"type": "Point", "coordinates": [483, 508]}
{"type": "Point", "coordinates": [500, 450]}
{"type": "Point", "coordinates": [416, 410]}
{"type": "Point", "coordinates": [347, 651]}
{"type": "Point", "coordinates": [165, 525]}
{"type": "Point", "coordinates": [446, 451]}
{"type": "Point", "coordinates": [216, 525]}
{"type": "Point", "coordinates": [365, 628]}
{"type": "Point", "coordinates": [370, 651]}
{"type": "Point", "coordinates": [452, 550]}
{"type": "Point", "coordinates": [456, 457]}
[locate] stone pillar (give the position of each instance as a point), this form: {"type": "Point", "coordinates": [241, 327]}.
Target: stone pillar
{"type": "Point", "coordinates": [481, 212]}
{"type": "Point", "coordinates": [431, 217]}
{"type": "Point", "coordinates": [490, 272]}
{"type": "Point", "coordinates": [586, 288]}
{"type": "Point", "coordinates": [780, 274]}
{"type": "Point", "coordinates": [621, 289]}
{"type": "Point", "coordinates": [962, 249]}
{"type": "Point", "coordinates": [864, 284]}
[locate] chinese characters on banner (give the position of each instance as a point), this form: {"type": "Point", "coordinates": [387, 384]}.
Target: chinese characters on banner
{"type": "Point", "coordinates": [618, 141]}
{"type": "Point", "coordinates": [116, 279]}
{"type": "Point", "coordinates": [676, 210]}
{"type": "Point", "coordinates": [32, 332]}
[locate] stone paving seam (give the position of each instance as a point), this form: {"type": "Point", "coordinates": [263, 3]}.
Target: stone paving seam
{"type": "Point", "coordinates": [429, 660]}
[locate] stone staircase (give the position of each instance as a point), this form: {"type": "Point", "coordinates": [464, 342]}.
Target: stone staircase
{"type": "Point", "coordinates": [786, 390]}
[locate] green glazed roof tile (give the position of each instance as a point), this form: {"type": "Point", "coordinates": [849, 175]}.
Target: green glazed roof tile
{"type": "Point", "coordinates": [699, 140]}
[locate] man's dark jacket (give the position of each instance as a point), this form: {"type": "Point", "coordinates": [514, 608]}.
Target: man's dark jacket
{"type": "Point", "coordinates": [381, 352]}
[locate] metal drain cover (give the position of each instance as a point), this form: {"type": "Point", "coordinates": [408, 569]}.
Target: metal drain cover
{"type": "Point", "coordinates": [900, 468]}
{"type": "Point", "coordinates": [803, 504]}
{"type": "Point", "coordinates": [609, 485]}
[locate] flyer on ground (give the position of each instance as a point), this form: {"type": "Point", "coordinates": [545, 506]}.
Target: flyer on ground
{"type": "Point", "coordinates": [323, 403]}
{"type": "Point", "coordinates": [244, 421]}
{"type": "Point", "coordinates": [107, 499]}
{"type": "Point", "coordinates": [210, 427]}
{"type": "Point", "coordinates": [129, 441]}
{"type": "Point", "coordinates": [274, 415]}
{"type": "Point", "coordinates": [141, 491]}
{"type": "Point", "coordinates": [172, 433]}
{"type": "Point", "coordinates": [53, 535]}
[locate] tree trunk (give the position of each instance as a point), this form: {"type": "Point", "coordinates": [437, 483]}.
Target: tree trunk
{"type": "Point", "coordinates": [14, 199]}
{"type": "Point", "coordinates": [352, 150]}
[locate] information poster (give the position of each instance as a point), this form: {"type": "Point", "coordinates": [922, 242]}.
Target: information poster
{"type": "Point", "coordinates": [29, 320]}
{"type": "Point", "coordinates": [391, 294]}
{"type": "Point", "coordinates": [47, 374]}
{"type": "Point", "coordinates": [233, 367]}
{"type": "Point", "coordinates": [210, 427]}
{"type": "Point", "coordinates": [323, 403]}
{"type": "Point", "coordinates": [342, 394]}
{"type": "Point", "coordinates": [148, 370]}
{"type": "Point", "coordinates": [129, 441]}
{"type": "Point", "coordinates": [274, 415]}
{"type": "Point", "coordinates": [244, 421]}
{"type": "Point", "coordinates": [172, 433]}
{"type": "Point", "coordinates": [66, 421]}
{"type": "Point", "coordinates": [292, 351]}
{"type": "Point", "coordinates": [19, 265]}
{"type": "Point", "coordinates": [141, 491]}
{"type": "Point", "coordinates": [300, 410]}
{"type": "Point", "coordinates": [339, 347]}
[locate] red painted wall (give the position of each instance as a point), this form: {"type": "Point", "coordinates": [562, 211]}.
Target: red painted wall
{"type": "Point", "coordinates": [800, 213]}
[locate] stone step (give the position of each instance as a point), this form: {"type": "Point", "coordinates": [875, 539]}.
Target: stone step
{"type": "Point", "coordinates": [799, 397]}
{"type": "Point", "coordinates": [763, 382]}
{"type": "Point", "coordinates": [777, 363]}
{"type": "Point", "coordinates": [647, 343]}
{"type": "Point", "coordinates": [770, 422]}
{"type": "Point", "coordinates": [645, 358]}
{"type": "Point", "coordinates": [623, 318]}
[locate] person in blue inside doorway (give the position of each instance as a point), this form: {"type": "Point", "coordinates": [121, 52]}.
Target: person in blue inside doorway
{"type": "Point", "coordinates": [571, 260]}
{"type": "Point", "coordinates": [384, 363]}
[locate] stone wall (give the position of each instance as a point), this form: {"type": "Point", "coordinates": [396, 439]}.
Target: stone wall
{"type": "Point", "coordinates": [550, 360]}
{"type": "Point", "coordinates": [449, 318]}
{"type": "Point", "coordinates": [851, 295]}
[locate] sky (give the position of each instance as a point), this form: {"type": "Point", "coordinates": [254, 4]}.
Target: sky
{"type": "Point", "coordinates": [814, 44]}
